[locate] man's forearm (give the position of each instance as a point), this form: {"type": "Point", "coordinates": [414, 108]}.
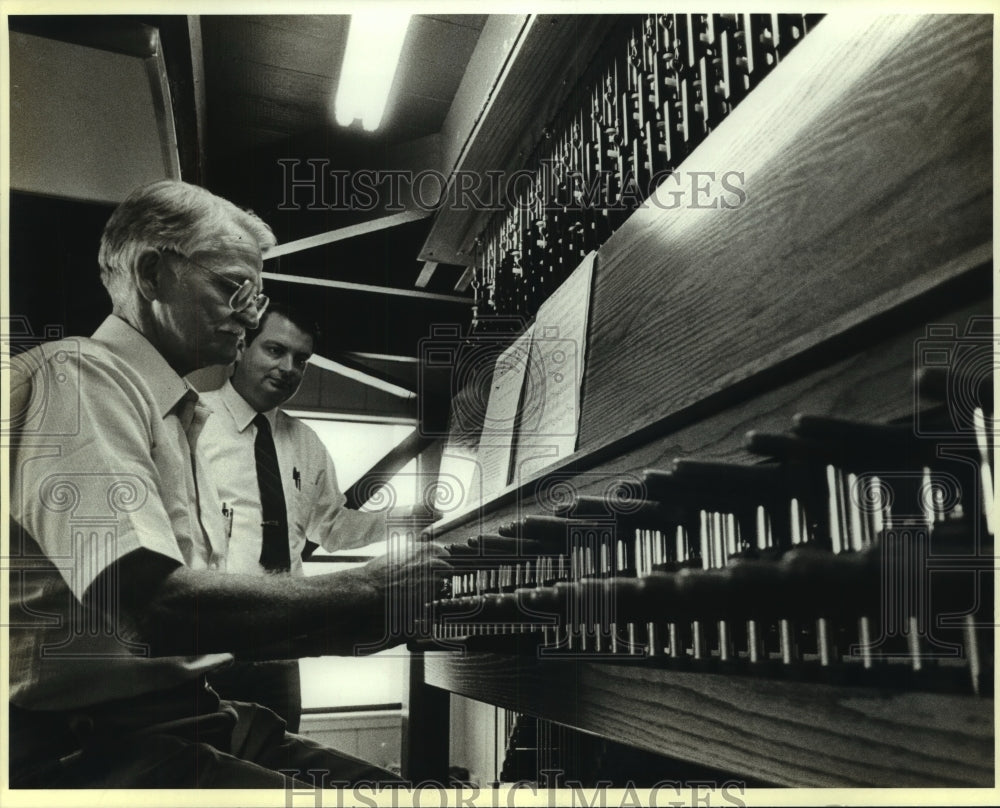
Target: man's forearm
{"type": "Point", "coordinates": [273, 616]}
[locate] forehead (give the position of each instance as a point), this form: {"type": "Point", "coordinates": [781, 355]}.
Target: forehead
{"type": "Point", "coordinates": [278, 328]}
{"type": "Point", "coordinates": [233, 245]}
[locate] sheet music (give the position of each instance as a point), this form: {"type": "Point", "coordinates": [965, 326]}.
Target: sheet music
{"type": "Point", "coordinates": [458, 483]}
{"type": "Point", "coordinates": [497, 440]}
{"type": "Point", "coordinates": [550, 413]}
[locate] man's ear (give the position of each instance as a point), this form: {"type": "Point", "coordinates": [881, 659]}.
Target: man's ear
{"type": "Point", "coordinates": [147, 274]}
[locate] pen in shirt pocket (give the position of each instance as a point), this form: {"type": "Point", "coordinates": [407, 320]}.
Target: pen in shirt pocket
{"type": "Point", "coordinates": [227, 514]}
{"type": "Point", "coordinates": [297, 478]}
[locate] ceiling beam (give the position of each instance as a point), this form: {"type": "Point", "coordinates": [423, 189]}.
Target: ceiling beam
{"type": "Point", "coordinates": [180, 37]}
{"type": "Point", "coordinates": [198, 89]}
{"type": "Point", "coordinates": [465, 279]}
{"type": "Point", "coordinates": [361, 356]}
{"type": "Point", "coordinates": [426, 274]}
{"type": "Point", "coordinates": [380, 474]}
{"type": "Point", "coordinates": [362, 376]}
{"type": "Point", "coordinates": [364, 287]}
{"type": "Point", "coordinates": [351, 231]}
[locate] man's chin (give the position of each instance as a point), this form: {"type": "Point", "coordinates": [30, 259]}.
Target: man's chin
{"type": "Point", "coordinates": [223, 356]}
{"type": "Point", "coordinates": [226, 357]}
{"type": "Point", "coordinates": [274, 399]}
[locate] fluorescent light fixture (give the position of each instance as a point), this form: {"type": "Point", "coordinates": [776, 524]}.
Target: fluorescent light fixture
{"type": "Point", "coordinates": [374, 42]}
{"type": "Point", "coordinates": [359, 376]}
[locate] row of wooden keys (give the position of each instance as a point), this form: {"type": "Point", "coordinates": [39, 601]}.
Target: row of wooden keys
{"type": "Point", "coordinates": [856, 551]}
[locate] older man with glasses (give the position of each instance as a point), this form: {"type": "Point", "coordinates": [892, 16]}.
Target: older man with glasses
{"type": "Point", "coordinates": [118, 608]}
{"type": "Point", "coordinates": [245, 297]}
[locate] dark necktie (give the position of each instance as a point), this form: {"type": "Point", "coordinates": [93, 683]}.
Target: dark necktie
{"type": "Point", "coordinates": [274, 554]}
{"type": "Point", "coordinates": [192, 416]}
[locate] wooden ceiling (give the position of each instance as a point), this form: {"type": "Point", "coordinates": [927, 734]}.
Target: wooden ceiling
{"type": "Point", "coordinates": [271, 79]}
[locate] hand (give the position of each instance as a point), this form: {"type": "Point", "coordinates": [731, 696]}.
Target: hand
{"type": "Point", "coordinates": [409, 566]}
{"type": "Point", "coordinates": [405, 580]}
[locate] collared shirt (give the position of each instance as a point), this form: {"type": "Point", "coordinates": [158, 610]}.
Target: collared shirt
{"type": "Point", "coordinates": [313, 500]}
{"type": "Point", "coordinates": [103, 467]}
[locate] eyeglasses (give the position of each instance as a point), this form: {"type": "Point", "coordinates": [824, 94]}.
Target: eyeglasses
{"type": "Point", "coordinates": [245, 297]}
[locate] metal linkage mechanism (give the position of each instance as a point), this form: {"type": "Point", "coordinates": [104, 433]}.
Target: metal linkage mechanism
{"type": "Point", "coordinates": [658, 86]}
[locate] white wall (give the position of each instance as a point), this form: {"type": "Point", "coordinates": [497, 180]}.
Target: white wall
{"type": "Point", "coordinates": [372, 736]}
{"type": "Point", "coordinates": [83, 121]}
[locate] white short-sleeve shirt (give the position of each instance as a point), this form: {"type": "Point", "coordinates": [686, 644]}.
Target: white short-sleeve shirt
{"type": "Point", "coordinates": [102, 468]}
{"type": "Point", "coordinates": [313, 499]}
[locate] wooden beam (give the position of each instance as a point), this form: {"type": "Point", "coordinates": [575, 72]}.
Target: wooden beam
{"type": "Point", "coordinates": [465, 279]}
{"type": "Point", "coordinates": [198, 89]}
{"type": "Point", "coordinates": [341, 233]}
{"type": "Point", "coordinates": [364, 287]}
{"type": "Point", "coordinates": [159, 85]}
{"type": "Point", "coordinates": [792, 733]}
{"type": "Point", "coordinates": [361, 356]}
{"type": "Point", "coordinates": [425, 274]}
{"type": "Point", "coordinates": [489, 60]}
{"type": "Point", "coordinates": [382, 471]}
{"type": "Point", "coordinates": [180, 38]}
{"type": "Point", "coordinates": [363, 376]}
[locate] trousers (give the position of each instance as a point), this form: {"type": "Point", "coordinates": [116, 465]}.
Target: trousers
{"type": "Point", "coordinates": [217, 744]}
{"type": "Point", "coordinates": [275, 685]}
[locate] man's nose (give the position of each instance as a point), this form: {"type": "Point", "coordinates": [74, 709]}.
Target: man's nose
{"type": "Point", "coordinates": [287, 364]}
{"type": "Point", "coordinates": [248, 318]}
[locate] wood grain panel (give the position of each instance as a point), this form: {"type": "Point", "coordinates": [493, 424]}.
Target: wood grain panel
{"type": "Point", "coordinates": [869, 377]}
{"type": "Point", "coordinates": [867, 164]}
{"type": "Point", "coordinates": [264, 112]}
{"type": "Point", "coordinates": [310, 44]}
{"type": "Point", "coordinates": [787, 733]}
{"type": "Point", "coordinates": [293, 87]}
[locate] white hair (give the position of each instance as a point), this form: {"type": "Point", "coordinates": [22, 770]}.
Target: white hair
{"type": "Point", "coordinates": [167, 215]}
